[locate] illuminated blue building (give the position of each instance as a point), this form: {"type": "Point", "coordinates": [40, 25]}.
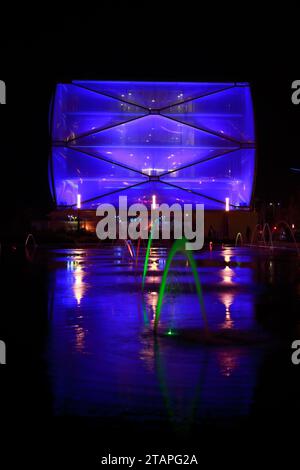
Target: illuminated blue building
{"type": "Point", "coordinates": [183, 142]}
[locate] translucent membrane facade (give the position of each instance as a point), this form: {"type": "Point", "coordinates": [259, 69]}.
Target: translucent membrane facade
{"type": "Point", "coordinates": [182, 142]}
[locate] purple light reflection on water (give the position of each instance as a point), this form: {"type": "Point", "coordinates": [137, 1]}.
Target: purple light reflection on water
{"type": "Point", "coordinates": [104, 362]}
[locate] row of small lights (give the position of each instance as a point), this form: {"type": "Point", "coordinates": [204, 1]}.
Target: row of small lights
{"type": "Point", "coordinates": [153, 101]}
{"type": "Point", "coordinates": [153, 205]}
{"type": "Point", "coordinates": [292, 226]}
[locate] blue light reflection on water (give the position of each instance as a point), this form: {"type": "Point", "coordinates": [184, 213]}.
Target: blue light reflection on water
{"type": "Point", "coordinates": [104, 362]}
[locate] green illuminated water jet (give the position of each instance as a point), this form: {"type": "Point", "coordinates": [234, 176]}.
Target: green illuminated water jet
{"type": "Point", "coordinates": [179, 246]}
{"type": "Point", "coordinates": [149, 244]}
{"type": "Point", "coordinates": [162, 373]}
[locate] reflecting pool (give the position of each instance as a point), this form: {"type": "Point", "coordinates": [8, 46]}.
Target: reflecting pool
{"type": "Point", "coordinates": [104, 361]}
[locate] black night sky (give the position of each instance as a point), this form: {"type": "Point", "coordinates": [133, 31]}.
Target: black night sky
{"type": "Point", "coordinates": [40, 50]}
{"type": "Point", "coordinates": [74, 316]}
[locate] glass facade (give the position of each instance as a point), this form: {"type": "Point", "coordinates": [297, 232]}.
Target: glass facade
{"type": "Point", "coordinates": [183, 142]}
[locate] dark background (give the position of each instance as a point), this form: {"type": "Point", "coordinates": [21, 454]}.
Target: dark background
{"type": "Point", "coordinates": [42, 48]}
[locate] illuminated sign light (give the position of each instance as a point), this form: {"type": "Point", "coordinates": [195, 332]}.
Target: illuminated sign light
{"type": "Point", "coordinates": [78, 201]}
{"type": "Point", "coordinates": [227, 206]}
